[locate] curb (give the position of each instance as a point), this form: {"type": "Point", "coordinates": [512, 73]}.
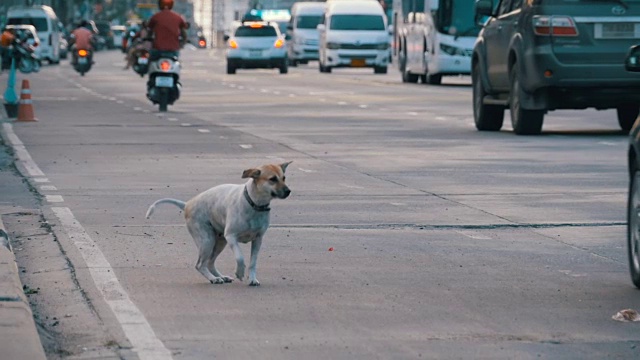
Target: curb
{"type": "Point", "coordinates": [19, 338]}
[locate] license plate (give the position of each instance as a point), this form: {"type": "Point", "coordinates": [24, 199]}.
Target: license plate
{"type": "Point", "coordinates": [615, 31]}
{"type": "Point", "coordinates": [358, 63]}
{"type": "Point", "coordinates": [82, 60]}
{"type": "Point", "coordinates": [255, 53]}
{"type": "Point", "coordinates": [143, 61]}
{"type": "Point", "coordinates": [164, 81]}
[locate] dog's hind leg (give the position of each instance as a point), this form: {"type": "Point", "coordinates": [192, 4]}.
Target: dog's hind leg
{"type": "Point", "coordinates": [205, 241]}
{"type": "Point", "coordinates": [221, 243]}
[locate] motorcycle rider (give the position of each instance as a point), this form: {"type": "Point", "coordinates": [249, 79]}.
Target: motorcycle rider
{"type": "Point", "coordinates": [169, 30]}
{"type": "Point", "coordinates": [82, 39]}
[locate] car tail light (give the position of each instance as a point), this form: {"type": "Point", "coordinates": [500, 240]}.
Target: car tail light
{"type": "Point", "coordinates": [233, 44]}
{"type": "Point", "coordinates": [82, 53]}
{"type": "Point", "coordinates": [165, 65]}
{"type": "Point", "coordinates": [279, 43]}
{"type": "Point", "coordinates": [255, 26]}
{"type": "Point", "coordinates": [554, 25]}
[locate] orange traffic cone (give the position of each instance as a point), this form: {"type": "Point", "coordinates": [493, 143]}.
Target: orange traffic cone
{"type": "Point", "coordinates": [25, 109]}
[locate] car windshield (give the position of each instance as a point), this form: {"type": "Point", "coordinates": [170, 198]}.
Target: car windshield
{"type": "Point", "coordinates": [261, 31]}
{"type": "Point", "coordinates": [455, 18]}
{"type": "Point", "coordinates": [356, 22]}
{"type": "Point", "coordinates": [308, 21]}
{"type": "Point", "coordinates": [39, 22]}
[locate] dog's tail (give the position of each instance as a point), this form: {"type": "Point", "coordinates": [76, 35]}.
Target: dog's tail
{"type": "Point", "coordinates": [175, 202]}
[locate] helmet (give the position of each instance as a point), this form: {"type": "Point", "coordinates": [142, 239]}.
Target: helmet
{"type": "Point", "coordinates": [165, 4]}
{"type": "Point", "coordinates": [7, 38]}
{"type": "Point", "coordinates": [84, 24]}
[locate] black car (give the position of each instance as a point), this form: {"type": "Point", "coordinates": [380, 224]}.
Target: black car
{"type": "Point", "coordinates": [632, 64]}
{"type": "Point", "coordinates": [534, 56]}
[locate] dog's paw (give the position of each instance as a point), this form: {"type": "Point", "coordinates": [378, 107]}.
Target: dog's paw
{"type": "Point", "coordinates": [254, 282]}
{"type": "Point", "coordinates": [240, 272]}
{"type": "Point", "coordinates": [217, 281]}
{"type": "Point", "coordinates": [226, 279]}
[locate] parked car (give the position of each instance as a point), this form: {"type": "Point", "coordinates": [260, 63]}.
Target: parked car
{"type": "Point", "coordinates": [46, 23]}
{"type": "Point", "coordinates": [256, 44]}
{"type": "Point", "coordinates": [537, 56]}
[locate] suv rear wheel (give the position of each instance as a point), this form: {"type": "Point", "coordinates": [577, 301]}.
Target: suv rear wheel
{"type": "Point", "coordinates": [231, 69]}
{"type": "Point", "coordinates": [524, 122]}
{"type": "Point", "coordinates": [486, 117]}
{"type": "Point", "coordinates": [627, 115]}
{"type": "Point", "coordinates": [435, 79]}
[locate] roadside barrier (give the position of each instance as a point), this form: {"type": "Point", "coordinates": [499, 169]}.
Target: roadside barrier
{"type": "Point", "coordinates": [25, 109]}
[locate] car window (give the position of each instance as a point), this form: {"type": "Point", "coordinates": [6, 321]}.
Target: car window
{"type": "Point", "coordinates": [261, 31]}
{"type": "Point", "coordinates": [504, 7]}
{"type": "Point", "coordinates": [356, 22]}
{"type": "Point", "coordinates": [39, 22]}
{"type": "Point", "coordinates": [517, 4]}
{"type": "Point", "coordinates": [308, 21]}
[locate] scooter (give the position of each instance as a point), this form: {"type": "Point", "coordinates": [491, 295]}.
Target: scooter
{"type": "Point", "coordinates": [83, 60]}
{"type": "Point", "coordinates": [163, 87]}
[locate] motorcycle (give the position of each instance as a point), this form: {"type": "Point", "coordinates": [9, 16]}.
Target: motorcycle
{"type": "Point", "coordinates": [83, 60]}
{"type": "Point", "coordinates": [163, 87]}
{"type": "Point", "coordinates": [141, 63]}
{"type": "Point", "coordinates": [25, 56]}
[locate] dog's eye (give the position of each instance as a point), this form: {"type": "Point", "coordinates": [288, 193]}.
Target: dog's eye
{"type": "Point", "coordinates": [274, 179]}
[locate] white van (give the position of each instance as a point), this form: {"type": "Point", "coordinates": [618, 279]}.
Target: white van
{"type": "Point", "coordinates": [46, 23]}
{"type": "Point", "coordinates": [354, 34]}
{"type": "Point", "coordinates": [302, 32]}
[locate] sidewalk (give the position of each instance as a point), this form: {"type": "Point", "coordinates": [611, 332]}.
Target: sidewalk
{"type": "Point", "coordinates": [19, 338]}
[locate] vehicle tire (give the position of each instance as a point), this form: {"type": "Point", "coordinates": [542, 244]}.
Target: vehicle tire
{"type": "Point", "coordinates": [524, 122]}
{"type": "Point", "coordinates": [284, 68]}
{"type": "Point", "coordinates": [231, 69]}
{"type": "Point", "coordinates": [320, 66]}
{"type": "Point", "coordinates": [293, 63]}
{"type": "Point", "coordinates": [163, 99]}
{"type": "Point", "coordinates": [407, 77]}
{"type": "Point", "coordinates": [486, 117]}
{"type": "Point", "coordinates": [423, 79]}
{"type": "Point", "coordinates": [633, 226]}
{"type": "Point", "coordinates": [327, 69]}
{"type": "Point", "coordinates": [380, 70]}
{"type": "Point", "coordinates": [627, 115]}
{"type": "Point", "coordinates": [435, 79]}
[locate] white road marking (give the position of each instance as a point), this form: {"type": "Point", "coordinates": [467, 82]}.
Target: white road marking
{"type": "Point", "coordinates": [398, 204]}
{"type": "Point", "coordinates": [21, 152]}
{"type": "Point", "coordinates": [135, 326]}
{"type": "Point", "coordinates": [607, 143]}
{"type": "Point", "coordinates": [54, 198]}
{"type": "Point", "coordinates": [342, 103]}
{"type": "Point", "coordinates": [412, 113]}
{"type": "Point", "coordinates": [137, 108]}
{"type": "Point", "coordinates": [48, 188]}
{"type": "Point", "coordinates": [363, 106]}
{"type": "Point", "coordinates": [41, 180]}
{"type": "Point", "coordinates": [185, 124]}
{"type": "Point", "coordinates": [441, 118]}
{"type": "Point", "coordinates": [306, 170]}
{"type": "Point", "coordinates": [173, 119]}
{"type": "Point", "coordinates": [292, 95]}
{"type": "Point", "coordinates": [246, 146]}
{"type": "Point", "coordinates": [473, 235]}
{"type": "Point", "coordinates": [351, 186]}
{"type": "Point", "coordinates": [204, 131]}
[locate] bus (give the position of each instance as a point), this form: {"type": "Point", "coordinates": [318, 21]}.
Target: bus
{"type": "Point", "coordinates": [433, 38]}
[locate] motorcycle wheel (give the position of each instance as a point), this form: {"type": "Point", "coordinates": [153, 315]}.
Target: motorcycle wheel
{"type": "Point", "coordinates": [163, 99]}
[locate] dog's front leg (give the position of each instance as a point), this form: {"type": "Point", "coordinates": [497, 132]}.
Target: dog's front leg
{"type": "Point", "coordinates": [255, 249]}
{"type": "Point", "coordinates": [232, 240]}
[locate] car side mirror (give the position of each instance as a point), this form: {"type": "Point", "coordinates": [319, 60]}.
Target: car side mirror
{"type": "Point", "coordinates": [226, 37]}
{"type": "Point", "coordinates": [321, 27]}
{"type": "Point", "coordinates": [632, 61]}
{"type": "Point", "coordinates": [483, 8]}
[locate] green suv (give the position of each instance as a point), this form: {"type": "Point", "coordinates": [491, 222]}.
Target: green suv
{"type": "Point", "coordinates": [533, 56]}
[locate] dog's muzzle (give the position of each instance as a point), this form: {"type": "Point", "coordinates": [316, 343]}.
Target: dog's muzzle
{"type": "Point", "coordinates": [283, 193]}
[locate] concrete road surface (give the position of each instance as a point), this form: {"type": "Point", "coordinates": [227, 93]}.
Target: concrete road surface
{"type": "Point", "coordinates": [408, 234]}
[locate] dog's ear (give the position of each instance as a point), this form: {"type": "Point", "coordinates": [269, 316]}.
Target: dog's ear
{"type": "Point", "coordinates": [251, 173]}
{"type": "Point", "coordinates": [284, 166]}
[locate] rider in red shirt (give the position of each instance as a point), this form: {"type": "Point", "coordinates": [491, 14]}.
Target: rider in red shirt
{"type": "Point", "coordinates": [167, 27]}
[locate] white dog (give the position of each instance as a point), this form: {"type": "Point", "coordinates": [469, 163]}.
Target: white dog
{"type": "Point", "coordinates": [233, 214]}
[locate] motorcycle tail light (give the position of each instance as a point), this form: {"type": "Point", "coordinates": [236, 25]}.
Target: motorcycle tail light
{"type": "Point", "coordinates": [202, 43]}
{"type": "Point", "coordinates": [165, 65]}
{"type": "Point", "coordinates": [83, 53]}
